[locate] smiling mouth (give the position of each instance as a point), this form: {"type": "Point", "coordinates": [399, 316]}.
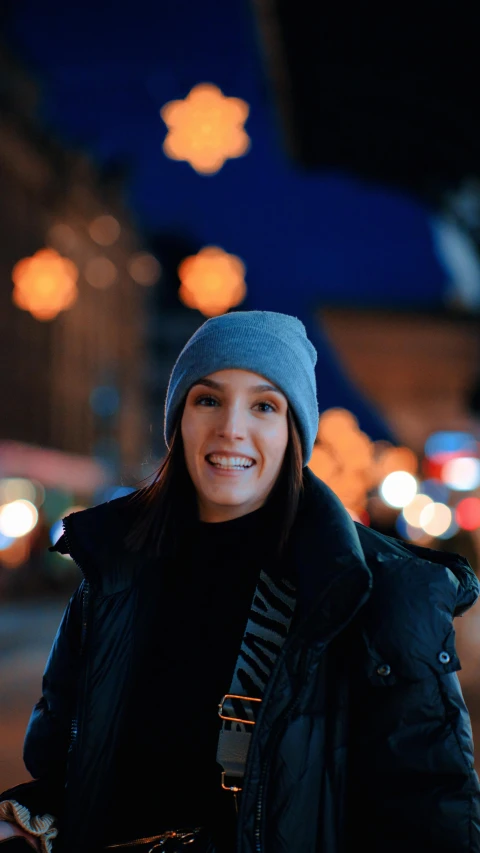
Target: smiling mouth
{"type": "Point", "coordinates": [229, 463]}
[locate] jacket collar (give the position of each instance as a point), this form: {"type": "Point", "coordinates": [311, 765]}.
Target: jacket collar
{"type": "Point", "coordinates": [333, 579]}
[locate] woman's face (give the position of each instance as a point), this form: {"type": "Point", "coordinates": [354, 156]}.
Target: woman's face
{"type": "Point", "coordinates": [235, 433]}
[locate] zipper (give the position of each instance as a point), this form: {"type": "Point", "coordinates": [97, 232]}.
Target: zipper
{"type": "Point", "coordinates": [263, 773]}
{"type": "Point", "coordinates": [301, 629]}
{"type": "Point", "coordinates": [83, 632]}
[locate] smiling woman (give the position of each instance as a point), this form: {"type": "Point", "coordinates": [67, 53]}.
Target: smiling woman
{"type": "Point", "coordinates": [244, 668]}
{"type": "Point", "coordinates": [235, 440]}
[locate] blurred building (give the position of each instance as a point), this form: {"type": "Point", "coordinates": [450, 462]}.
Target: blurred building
{"type": "Point", "coordinates": [420, 369]}
{"type": "Point", "coordinates": [74, 410]}
{"type": "Point", "coordinates": [75, 382]}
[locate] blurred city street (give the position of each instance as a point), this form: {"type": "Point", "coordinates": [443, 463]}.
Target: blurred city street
{"type": "Point", "coordinates": [162, 165]}
{"type": "Point", "coordinates": [26, 634]}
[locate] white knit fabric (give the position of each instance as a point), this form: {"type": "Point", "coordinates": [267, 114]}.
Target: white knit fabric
{"type": "Point", "coordinates": [41, 826]}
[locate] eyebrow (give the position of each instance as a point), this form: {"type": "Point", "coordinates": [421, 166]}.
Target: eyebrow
{"type": "Point", "coordinates": [255, 389]}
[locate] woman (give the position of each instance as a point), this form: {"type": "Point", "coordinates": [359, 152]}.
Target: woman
{"type": "Point", "coordinates": [237, 586]}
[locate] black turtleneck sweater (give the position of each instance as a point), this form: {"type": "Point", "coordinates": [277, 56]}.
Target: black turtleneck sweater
{"type": "Point", "coordinates": [191, 618]}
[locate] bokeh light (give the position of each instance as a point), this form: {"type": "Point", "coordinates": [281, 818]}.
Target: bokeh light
{"type": "Point", "coordinates": [336, 425]}
{"type": "Point", "coordinates": [62, 237]}
{"type": "Point", "coordinates": [144, 268]}
{"type": "Point", "coordinates": [398, 489]}
{"type": "Point", "coordinates": [462, 473]}
{"type": "Point", "coordinates": [45, 284]}
{"type": "Point", "coordinates": [18, 518]}
{"type": "Point", "coordinates": [435, 489]}
{"type": "Point", "coordinates": [100, 272]}
{"type": "Point", "coordinates": [467, 513]}
{"type": "Point", "coordinates": [412, 512]}
{"type": "Point", "coordinates": [206, 128]}
{"type": "Point", "coordinates": [390, 458]}
{"type": "Point", "coordinates": [450, 442]}
{"type": "Point", "coordinates": [435, 518]}
{"type": "Point", "coordinates": [56, 531]}
{"type": "Point", "coordinates": [410, 532]}
{"type": "Point", "coordinates": [5, 541]}
{"type": "Point", "coordinates": [17, 488]}
{"type": "Point", "coordinates": [104, 230]}
{"type": "Point", "coordinates": [212, 281]}
{"type": "Point", "coordinates": [451, 531]}
{"type": "Point", "coordinates": [39, 498]}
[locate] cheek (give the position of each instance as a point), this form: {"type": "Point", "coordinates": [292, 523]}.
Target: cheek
{"type": "Point", "coordinates": [275, 446]}
{"type": "Point", "coordinates": [193, 433]}
{"type": "Point", "coordinates": [188, 437]}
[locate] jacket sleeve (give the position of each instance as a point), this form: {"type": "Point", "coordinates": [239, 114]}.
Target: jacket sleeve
{"type": "Point", "coordinates": [48, 732]}
{"type": "Point", "coordinates": [413, 785]}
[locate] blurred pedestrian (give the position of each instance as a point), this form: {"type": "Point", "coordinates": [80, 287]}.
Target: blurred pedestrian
{"type": "Point", "coordinates": [244, 668]}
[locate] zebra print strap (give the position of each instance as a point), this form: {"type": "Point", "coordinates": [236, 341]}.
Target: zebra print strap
{"type": "Point", "coordinates": [266, 630]}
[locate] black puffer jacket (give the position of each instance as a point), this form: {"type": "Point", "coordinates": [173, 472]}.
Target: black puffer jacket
{"type": "Point", "coordinates": [363, 738]}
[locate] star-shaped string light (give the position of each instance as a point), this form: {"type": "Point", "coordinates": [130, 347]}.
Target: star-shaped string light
{"type": "Point", "coordinates": [44, 284]}
{"type": "Point", "coordinates": [212, 281]}
{"type": "Point", "coordinates": [206, 128]}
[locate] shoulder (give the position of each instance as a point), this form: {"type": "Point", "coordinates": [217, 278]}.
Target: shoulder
{"type": "Point", "coordinates": [416, 592]}
{"type": "Point", "coordinates": [394, 562]}
{"type": "Point", "coordinates": [94, 537]}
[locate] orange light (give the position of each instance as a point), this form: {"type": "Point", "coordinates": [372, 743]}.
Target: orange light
{"type": "Point", "coordinates": [348, 461]}
{"type": "Point", "coordinates": [45, 284]}
{"type": "Point", "coordinates": [390, 459]}
{"type": "Point", "coordinates": [206, 128]}
{"type": "Point", "coordinates": [342, 458]}
{"type": "Point", "coordinates": [212, 281]}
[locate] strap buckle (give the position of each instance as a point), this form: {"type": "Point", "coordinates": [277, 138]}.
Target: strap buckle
{"type": "Point", "coordinates": [235, 788]}
{"type": "Point", "coordinates": [236, 719]}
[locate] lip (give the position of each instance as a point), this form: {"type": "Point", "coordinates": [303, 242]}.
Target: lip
{"type": "Point", "coordinates": [228, 472]}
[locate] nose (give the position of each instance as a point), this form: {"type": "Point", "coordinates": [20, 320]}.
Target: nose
{"type": "Point", "coordinates": [231, 424]}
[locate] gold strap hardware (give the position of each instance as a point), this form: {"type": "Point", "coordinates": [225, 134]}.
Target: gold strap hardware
{"type": "Point", "coordinates": [233, 788]}
{"type": "Point", "coordinates": [236, 719]}
{"type": "Point", "coordinates": [186, 836]}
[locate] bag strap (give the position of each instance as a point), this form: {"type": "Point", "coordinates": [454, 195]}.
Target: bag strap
{"type": "Point", "coordinates": [269, 621]}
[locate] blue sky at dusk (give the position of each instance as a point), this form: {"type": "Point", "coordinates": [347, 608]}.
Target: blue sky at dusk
{"type": "Point", "coordinates": [306, 238]}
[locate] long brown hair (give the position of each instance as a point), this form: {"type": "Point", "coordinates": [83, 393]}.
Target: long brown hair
{"type": "Point", "coordinates": [170, 499]}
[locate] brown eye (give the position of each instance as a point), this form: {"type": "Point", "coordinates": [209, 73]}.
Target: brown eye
{"type": "Point", "coordinates": [266, 407]}
{"type": "Point", "coordinates": [206, 400]}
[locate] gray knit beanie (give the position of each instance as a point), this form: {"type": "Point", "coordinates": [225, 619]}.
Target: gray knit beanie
{"type": "Point", "coordinates": [265, 342]}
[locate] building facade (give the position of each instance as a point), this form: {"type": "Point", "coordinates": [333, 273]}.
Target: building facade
{"type": "Point", "coordinates": [74, 383]}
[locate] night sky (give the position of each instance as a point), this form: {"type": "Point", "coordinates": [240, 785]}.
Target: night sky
{"type": "Point", "coordinates": [105, 71]}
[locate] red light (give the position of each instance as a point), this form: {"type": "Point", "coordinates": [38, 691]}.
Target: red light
{"type": "Point", "coordinates": [432, 466]}
{"type": "Point", "coordinates": [467, 513]}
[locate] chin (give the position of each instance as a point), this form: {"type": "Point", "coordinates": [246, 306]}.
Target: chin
{"type": "Point", "coordinates": [229, 500]}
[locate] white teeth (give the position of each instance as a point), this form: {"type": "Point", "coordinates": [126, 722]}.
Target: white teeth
{"type": "Point", "coordinates": [230, 461]}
